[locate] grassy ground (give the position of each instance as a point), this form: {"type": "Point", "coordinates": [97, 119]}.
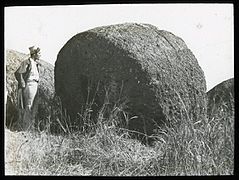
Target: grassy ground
{"type": "Point", "coordinates": [203, 148]}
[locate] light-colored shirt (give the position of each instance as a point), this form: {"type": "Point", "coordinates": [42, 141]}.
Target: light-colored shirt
{"type": "Point", "coordinates": [34, 74]}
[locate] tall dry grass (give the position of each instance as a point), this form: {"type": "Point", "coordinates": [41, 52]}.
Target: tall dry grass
{"type": "Point", "coordinates": [106, 149]}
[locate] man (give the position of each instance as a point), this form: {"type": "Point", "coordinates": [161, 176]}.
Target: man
{"type": "Point", "coordinates": [27, 76]}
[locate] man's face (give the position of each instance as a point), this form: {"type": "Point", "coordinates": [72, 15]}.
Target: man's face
{"type": "Point", "coordinates": [37, 55]}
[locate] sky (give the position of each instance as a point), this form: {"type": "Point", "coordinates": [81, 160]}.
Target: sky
{"type": "Point", "coordinates": [207, 29]}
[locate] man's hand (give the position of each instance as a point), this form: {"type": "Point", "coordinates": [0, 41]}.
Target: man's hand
{"type": "Point", "coordinates": [23, 84]}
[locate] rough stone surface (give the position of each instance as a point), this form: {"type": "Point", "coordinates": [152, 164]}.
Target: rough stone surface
{"type": "Point", "coordinates": [150, 71]}
{"type": "Point", "coordinates": [221, 97]}
{"type": "Point", "coordinates": [46, 86]}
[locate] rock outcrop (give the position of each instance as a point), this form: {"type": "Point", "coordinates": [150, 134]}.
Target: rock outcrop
{"type": "Point", "coordinates": [46, 86]}
{"type": "Point", "coordinates": [221, 98]}
{"type": "Point", "coordinates": [151, 72]}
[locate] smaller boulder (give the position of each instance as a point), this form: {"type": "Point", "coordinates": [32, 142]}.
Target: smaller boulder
{"type": "Point", "coordinates": [221, 98]}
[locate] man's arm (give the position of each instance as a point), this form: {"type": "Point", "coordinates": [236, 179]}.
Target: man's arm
{"type": "Point", "coordinates": [19, 74]}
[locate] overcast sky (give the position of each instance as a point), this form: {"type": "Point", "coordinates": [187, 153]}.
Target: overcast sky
{"type": "Point", "coordinates": [207, 29]}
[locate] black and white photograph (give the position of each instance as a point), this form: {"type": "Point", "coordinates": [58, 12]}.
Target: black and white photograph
{"type": "Point", "coordinates": [119, 90]}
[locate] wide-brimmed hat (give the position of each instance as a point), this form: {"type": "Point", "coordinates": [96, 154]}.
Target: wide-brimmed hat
{"type": "Point", "coordinates": [34, 50]}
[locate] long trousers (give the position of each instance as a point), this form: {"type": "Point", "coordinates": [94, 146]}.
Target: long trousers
{"type": "Point", "coordinates": [29, 94]}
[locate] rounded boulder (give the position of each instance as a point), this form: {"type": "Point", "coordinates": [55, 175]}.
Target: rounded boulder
{"type": "Point", "coordinates": [150, 73]}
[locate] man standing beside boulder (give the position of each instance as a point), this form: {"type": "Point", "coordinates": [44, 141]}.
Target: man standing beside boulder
{"type": "Point", "coordinates": [27, 76]}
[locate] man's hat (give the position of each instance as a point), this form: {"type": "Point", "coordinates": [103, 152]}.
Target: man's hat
{"type": "Point", "coordinates": [34, 49]}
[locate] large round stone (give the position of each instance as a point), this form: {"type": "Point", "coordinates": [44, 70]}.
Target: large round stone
{"type": "Point", "coordinates": [150, 73]}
